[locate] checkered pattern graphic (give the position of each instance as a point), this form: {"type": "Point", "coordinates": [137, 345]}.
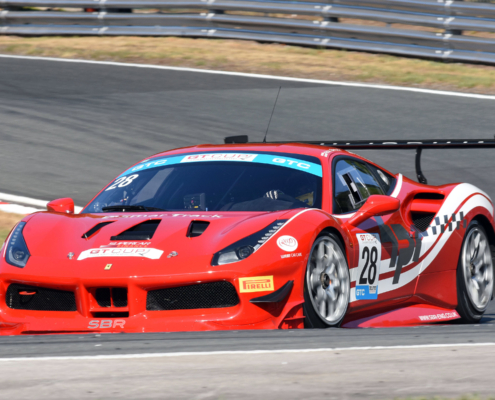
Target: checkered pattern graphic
{"type": "Point", "coordinates": [441, 224]}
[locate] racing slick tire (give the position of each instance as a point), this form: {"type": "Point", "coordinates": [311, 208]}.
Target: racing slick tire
{"type": "Point", "coordinates": [474, 274]}
{"type": "Point", "coordinates": [327, 283]}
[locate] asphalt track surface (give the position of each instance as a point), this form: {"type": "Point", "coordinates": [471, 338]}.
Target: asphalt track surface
{"type": "Point", "coordinates": [68, 129]}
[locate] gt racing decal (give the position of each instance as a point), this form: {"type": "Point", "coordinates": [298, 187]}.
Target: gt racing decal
{"type": "Point", "coordinates": [256, 284]}
{"type": "Point", "coordinates": [219, 157]}
{"type": "Point", "coordinates": [271, 159]}
{"type": "Point", "coordinates": [368, 270]}
{"type": "Point", "coordinates": [152, 254]}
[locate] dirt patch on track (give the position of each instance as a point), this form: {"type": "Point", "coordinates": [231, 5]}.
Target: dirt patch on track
{"type": "Point", "coordinates": [253, 57]}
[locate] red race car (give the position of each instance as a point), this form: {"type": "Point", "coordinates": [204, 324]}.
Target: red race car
{"type": "Point", "coordinates": [253, 236]}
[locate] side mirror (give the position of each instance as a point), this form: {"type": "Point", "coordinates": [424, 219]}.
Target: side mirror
{"type": "Point", "coordinates": [65, 205]}
{"type": "Point", "coordinates": [375, 205]}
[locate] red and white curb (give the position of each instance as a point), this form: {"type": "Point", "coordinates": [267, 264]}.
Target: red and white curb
{"type": "Point", "coordinates": [24, 205]}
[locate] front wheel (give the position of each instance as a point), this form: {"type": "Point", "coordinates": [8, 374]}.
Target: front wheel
{"type": "Point", "coordinates": [474, 274]}
{"type": "Point", "coordinates": [327, 284]}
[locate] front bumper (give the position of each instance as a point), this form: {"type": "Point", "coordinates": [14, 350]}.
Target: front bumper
{"type": "Point", "coordinates": [88, 316]}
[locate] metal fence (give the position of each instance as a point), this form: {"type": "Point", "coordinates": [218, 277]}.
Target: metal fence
{"type": "Point", "coordinates": [436, 29]}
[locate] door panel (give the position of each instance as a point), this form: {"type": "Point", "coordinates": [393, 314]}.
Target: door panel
{"type": "Point", "coordinates": [386, 251]}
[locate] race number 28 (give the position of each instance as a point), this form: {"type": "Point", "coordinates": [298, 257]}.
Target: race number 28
{"type": "Point", "coordinates": [370, 252]}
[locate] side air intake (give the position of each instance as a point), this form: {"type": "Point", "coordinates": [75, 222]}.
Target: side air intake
{"type": "Point", "coordinates": [142, 231]}
{"type": "Point", "coordinates": [429, 196]}
{"type": "Point", "coordinates": [422, 220]}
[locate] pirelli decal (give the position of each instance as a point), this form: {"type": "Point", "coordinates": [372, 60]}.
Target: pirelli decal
{"type": "Point", "coordinates": [441, 224]}
{"type": "Point", "coordinates": [256, 284]}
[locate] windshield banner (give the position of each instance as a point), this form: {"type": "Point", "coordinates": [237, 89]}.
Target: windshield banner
{"type": "Point", "coordinates": [272, 159]}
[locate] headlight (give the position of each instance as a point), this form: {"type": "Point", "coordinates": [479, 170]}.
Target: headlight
{"type": "Point", "coordinates": [245, 247]}
{"type": "Point", "coordinates": [17, 253]}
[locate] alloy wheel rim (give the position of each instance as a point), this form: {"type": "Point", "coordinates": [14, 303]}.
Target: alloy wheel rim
{"type": "Point", "coordinates": [477, 268]}
{"type": "Point", "coordinates": [327, 278]}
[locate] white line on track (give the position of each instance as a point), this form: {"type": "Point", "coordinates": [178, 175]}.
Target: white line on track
{"type": "Point", "coordinates": [244, 352]}
{"type": "Point", "coordinates": [258, 76]}
{"type": "Point", "coordinates": [29, 201]}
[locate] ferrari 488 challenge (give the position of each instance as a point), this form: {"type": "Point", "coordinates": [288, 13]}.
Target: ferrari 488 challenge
{"type": "Point", "coordinates": [252, 236]}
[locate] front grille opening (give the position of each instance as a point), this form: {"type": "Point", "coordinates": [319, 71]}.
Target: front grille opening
{"type": "Point", "coordinates": [422, 220]}
{"type": "Point", "coordinates": [119, 297]}
{"type": "Point", "coordinates": [110, 314]}
{"type": "Point", "coordinates": [143, 231]}
{"type": "Point", "coordinates": [24, 297]}
{"type": "Point", "coordinates": [103, 297]}
{"type": "Point", "coordinates": [111, 297]}
{"type": "Point", "coordinates": [204, 295]}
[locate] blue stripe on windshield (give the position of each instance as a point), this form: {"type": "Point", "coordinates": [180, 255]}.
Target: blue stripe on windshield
{"type": "Point", "coordinates": [271, 159]}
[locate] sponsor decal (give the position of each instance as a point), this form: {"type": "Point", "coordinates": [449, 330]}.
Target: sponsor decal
{"type": "Point", "coordinates": [196, 216]}
{"type": "Point", "coordinates": [106, 323]}
{"type": "Point", "coordinates": [256, 284]}
{"type": "Point", "coordinates": [108, 266]}
{"type": "Point", "coordinates": [162, 215]}
{"type": "Point", "coordinates": [291, 255]}
{"type": "Point", "coordinates": [290, 162]}
{"type": "Point", "coordinates": [368, 270]}
{"type": "Point", "coordinates": [366, 237]}
{"type": "Point", "coordinates": [126, 245]}
{"type": "Point", "coordinates": [439, 317]}
{"type": "Point", "coordinates": [147, 165]}
{"type": "Point", "coordinates": [287, 243]}
{"type": "Point", "coordinates": [152, 254]}
{"type": "Point", "coordinates": [219, 157]}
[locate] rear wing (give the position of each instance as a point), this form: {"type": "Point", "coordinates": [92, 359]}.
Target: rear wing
{"type": "Point", "coordinates": [417, 145]}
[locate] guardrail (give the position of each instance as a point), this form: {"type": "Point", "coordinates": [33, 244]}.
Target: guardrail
{"type": "Point", "coordinates": [428, 28]}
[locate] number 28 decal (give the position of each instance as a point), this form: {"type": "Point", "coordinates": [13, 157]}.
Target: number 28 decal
{"type": "Point", "coordinates": [370, 254]}
{"type": "Point", "coordinates": [122, 182]}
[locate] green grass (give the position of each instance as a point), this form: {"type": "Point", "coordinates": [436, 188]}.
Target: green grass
{"type": "Point", "coordinates": [3, 235]}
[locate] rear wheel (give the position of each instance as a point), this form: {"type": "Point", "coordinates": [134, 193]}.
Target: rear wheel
{"type": "Point", "coordinates": [474, 274]}
{"type": "Point", "coordinates": [327, 283]}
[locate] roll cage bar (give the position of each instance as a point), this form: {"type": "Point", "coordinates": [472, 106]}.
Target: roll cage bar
{"type": "Point", "coordinates": [417, 145]}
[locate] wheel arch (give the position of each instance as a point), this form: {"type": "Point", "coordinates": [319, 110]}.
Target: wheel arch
{"type": "Point", "coordinates": [331, 229]}
{"type": "Point", "coordinates": [485, 223]}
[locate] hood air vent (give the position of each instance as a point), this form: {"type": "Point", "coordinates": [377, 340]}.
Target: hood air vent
{"type": "Point", "coordinates": [196, 228]}
{"type": "Point", "coordinates": [142, 231]}
{"type": "Point", "coordinates": [95, 229]}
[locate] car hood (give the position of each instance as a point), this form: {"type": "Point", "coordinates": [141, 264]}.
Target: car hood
{"type": "Point", "coordinates": [60, 237]}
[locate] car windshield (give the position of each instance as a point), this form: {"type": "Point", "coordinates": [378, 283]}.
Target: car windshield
{"type": "Point", "coordinates": [215, 182]}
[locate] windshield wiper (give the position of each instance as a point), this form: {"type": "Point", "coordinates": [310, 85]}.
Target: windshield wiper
{"type": "Point", "coordinates": [124, 208]}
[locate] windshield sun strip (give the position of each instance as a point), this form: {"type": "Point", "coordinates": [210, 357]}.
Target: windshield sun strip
{"type": "Point", "coordinates": [270, 159]}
